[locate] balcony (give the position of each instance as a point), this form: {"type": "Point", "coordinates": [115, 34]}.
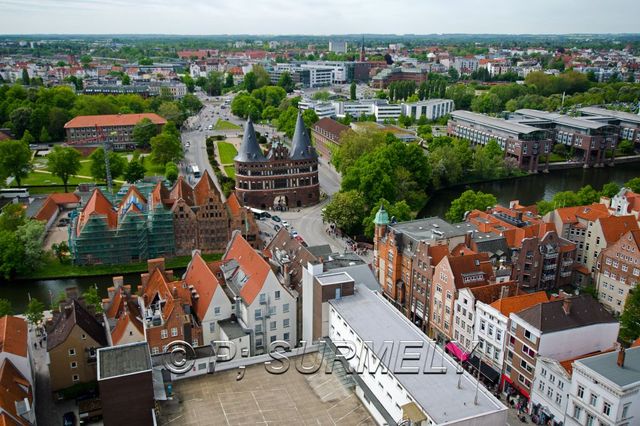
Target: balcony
{"type": "Point", "coordinates": [549, 266]}
{"type": "Point", "coordinates": [550, 255]}
{"type": "Point", "coordinates": [567, 262]}
{"type": "Point", "coordinates": [565, 274]}
{"type": "Point", "coordinates": [548, 277]}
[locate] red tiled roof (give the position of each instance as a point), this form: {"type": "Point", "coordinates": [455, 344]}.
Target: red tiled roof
{"type": "Point", "coordinates": [98, 204]}
{"type": "Point", "coordinates": [112, 120]}
{"type": "Point", "coordinates": [181, 189]}
{"type": "Point", "coordinates": [204, 282]}
{"type": "Point", "coordinates": [518, 303]}
{"type": "Point", "coordinates": [234, 205]}
{"type": "Point", "coordinates": [122, 324]}
{"type": "Point", "coordinates": [613, 227]}
{"type": "Point", "coordinates": [254, 267]}
{"type": "Point", "coordinates": [13, 335]}
{"type": "Point", "coordinates": [48, 209]}
{"type": "Point", "coordinates": [591, 213]}
{"type": "Point", "coordinates": [12, 390]}
{"type": "Point", "coordinates": [64, 198]}
{"type": "Point", "coordinates": [204, 188]}
{"type": "Point", "coordinates": [331, 126]}
{"type": "Point", "coordinates": [491, 292]}
{"type": "Point", "coordinates": [468, 264]}
{"type": "Point", "coordinates": [438, 252]}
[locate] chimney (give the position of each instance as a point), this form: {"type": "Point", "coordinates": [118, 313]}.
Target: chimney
{"type": "Point", "coordinates": [72, 293]}
{"type": "Point", "coordinates": [144, 279]}
{"type": "Point", "coordinates": [169, 275]}
{"type": "Point", "coordinates": [154, 264]}
{"type": "Point", "coordinates": [69, 308]}
{"type": "Point", "coordinates": [566, 305]}
{"type": "Point", "coordinates": [118, 281]}
{"type": "Point", "coordinates": [504, 291]}
{"type": "Point", "coordinates": [621, 355]}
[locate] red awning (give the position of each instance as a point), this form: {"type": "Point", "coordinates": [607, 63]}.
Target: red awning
{"type": "Point", "coordinates": [456, 351]}
{"type": "Point", "coordinates": [516, 386]}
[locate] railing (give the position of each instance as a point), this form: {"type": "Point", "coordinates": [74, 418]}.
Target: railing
{"type": "Point", "coordinates": [550, 255]}
{"type": "Point", "coordinates": [548, 277]}
{"type": "Point", "coordinates": [549, 266]}
{"type": "Point", "coordinates": [567, 262]}
{"type": "Point", "coordinates": [565, 274]}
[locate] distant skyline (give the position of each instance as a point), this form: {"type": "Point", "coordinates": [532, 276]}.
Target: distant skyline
{"type": "Point", "coordinates": [318, 17]}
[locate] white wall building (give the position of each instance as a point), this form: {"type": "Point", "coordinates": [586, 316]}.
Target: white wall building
{"type": "Point", "coordinates": [550, 389]}
{"type": "Point", "coordinates": [432, 108]}
{"type": "Point", "coordinates": [263, 307]}
{"type": "Point", "coordinates": [338, 46]}
{"type": "Point", "coordinates": [605, 390]}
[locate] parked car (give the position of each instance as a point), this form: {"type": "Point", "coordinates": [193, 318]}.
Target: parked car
{"type": "Point", "coordinates": [69, 419]}
{"type": "Point", "coordinates": [285, 223]}
{"type": "Point", "coordinates": [276, 218]}
{"type": "Point", "coordinates": [276, 227]}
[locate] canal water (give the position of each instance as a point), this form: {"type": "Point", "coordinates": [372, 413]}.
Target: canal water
{"type": "Point", "coordinates": [528, 190]}
{"type": "Point", "coordinates": [18, 291]}
{"type": "Point", "coordinates": [532, 188]}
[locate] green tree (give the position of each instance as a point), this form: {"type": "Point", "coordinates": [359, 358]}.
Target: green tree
{"type": "Point", "coordinates": [116, 164]}
{"type": "Point", "coordinates": [488, 161]}
{"type": "Point", "coordinates": [25, 77]}
{"type": "Point", "coordinates": [250, 81]}
{"type": "Point", "coordinates": [93, 299]}
{"type": "Point", "coordinates": [12, 216]}
{"type": "Point", "coordinates": [27, 138]}
{"type": "Point", "coordinates": [633, 185]}
{"type": "Point", "coordinates": [352, 91]}
{"type": "Point", "coordinates": [171, 172]}
{"type": "Point", "coordinates": [468, 201]}
{"type": "Point", "coordinates": [487, 103]}
{"type": "Point", "coordinates": [126, 80]}
{"type": "Point", "coordinates": [20, 120]}
{"type": "Point", "coordinates": [610, 189]}
{"type": "Point", "coordinates": [626, 147]}
{"type": "Point", "coordinates": [353, 145]}
{"type": "Point", "coordinates": [64, 162]}
{"type": "Point", "coordinates": [287, 120]}
{"type": "Point", "coordinates": [191, 103]}
{"type": "Point", "coordinates": [228, 82]}
{"type": "Point", "coordinates": [11, 254]}
{"type": "Point", "coordinates": [454, 75]}
{"type": "Point", "coordinates": [134, 171]}
{"type": "Point", "coordinates": [15, 160]}
{"type": "Point", "coordinates": [189, 82]}
{"type": "Point", "coordinates": [286, 82]}
{"type": "Point", "coordinates": [31, 236]}
{"type": "Point", "coordinates": [44, 135]}
{"type": "Point", "coordinates": [165, 147]}
{"type": "Point", "coordinates": [262, 76]}
{"type": "Point", "coordinates": [5, 308]}
{"type": "Point", "coordinates": [35, 311]}
{"type": "Point", "coordinates": [143, 131]}
{"type": "Point", "coordinates": [171, 111]}
{"type": "Point", "coordinates": [399, 211]}
{"type": "Point", "coordinates": [61, 252]}
{"type": "Point", "coordinates": [630, 318]}
{"type": "Point", "coordinates": [347, 210]}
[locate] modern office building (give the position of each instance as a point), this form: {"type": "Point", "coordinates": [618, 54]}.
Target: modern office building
{"type": "Point", "coordinates": [588, 138]}
{"type": "Point", "coordinates": [432, 109]}
{"type": "Point", "coordinates": [384, 78]}
{"type": "Point", "coordinates": [628, 124]}
{"type": "Point", "coordinates": [522, 142]}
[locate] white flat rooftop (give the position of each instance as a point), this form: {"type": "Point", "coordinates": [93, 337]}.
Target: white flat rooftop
{"type": "Point", "coordinates": [373, 319]}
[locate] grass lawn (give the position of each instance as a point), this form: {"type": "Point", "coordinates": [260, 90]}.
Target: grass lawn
{"type": "Point", "coordinates": [227, 152]}
{"type": "Point", "coordinates": [37, 178]}
{"type": "Point", "coordinates": [52, 268]}
{"type": "Point", "coordinates": [230, 171]}
{"type": "Point", "coordinates": [225, 125]}
{"type": "Point", "coordinates": [152, 169]}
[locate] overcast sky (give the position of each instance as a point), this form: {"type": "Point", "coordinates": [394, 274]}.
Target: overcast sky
{"type": "Point", "coordinates": [318, 16]}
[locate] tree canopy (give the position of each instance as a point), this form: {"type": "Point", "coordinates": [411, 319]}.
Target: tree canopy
{"type": "Point", "coordinates": [64, 162]}
{"type": "Point", "coordinates": [468, 201]}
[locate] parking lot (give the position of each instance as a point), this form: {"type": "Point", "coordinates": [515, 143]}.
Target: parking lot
{"type": "Point", "coordinates": [261, 398]}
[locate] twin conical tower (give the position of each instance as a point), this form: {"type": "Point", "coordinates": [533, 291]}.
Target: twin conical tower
{"type": "Point", "coordinates": [301, 148]}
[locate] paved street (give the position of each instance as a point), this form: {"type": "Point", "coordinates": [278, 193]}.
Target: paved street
{"type": "Point", "coordinates": [48, 412]}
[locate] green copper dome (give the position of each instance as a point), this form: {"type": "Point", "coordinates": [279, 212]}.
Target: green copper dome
{"type": "Point", "coordinates": [382, 217]}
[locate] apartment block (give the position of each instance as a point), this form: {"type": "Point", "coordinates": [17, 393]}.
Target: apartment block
{"type": "Point", "coordinates": [604, 389]}
{"type": "Point", "coordinates": [559, 329]}
{"type": "Point", "coordinates": [618, 271]}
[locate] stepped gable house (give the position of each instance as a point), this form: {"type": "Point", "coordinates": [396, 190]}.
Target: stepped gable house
{"type": "Point", "coordinates": [283, 178]}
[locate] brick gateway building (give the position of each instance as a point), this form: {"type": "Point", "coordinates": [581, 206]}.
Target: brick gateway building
{"type": "Point", "coordinates": [283, 178]}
